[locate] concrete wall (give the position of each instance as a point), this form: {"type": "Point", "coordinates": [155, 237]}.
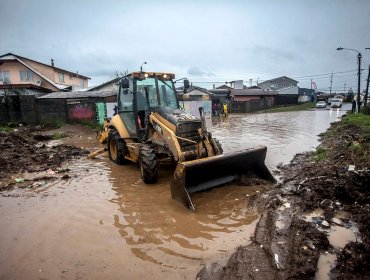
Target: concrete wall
{"type": "Point", "coordinates": [286, 99]}
{"type": "Point", "coordinates": [52, 112]}
{"type": "Point", "coordinates": [19, 105]}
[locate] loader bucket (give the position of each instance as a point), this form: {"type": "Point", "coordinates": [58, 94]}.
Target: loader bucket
{"type": "Point", "coordinates": [202, 174]}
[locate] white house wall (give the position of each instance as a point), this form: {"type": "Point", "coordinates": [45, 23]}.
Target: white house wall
{"type": "Point", "coordinates": [290, 90]}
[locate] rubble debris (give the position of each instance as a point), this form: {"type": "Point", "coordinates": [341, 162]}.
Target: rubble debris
{"type": "Point", "coordinates": [21, 153]}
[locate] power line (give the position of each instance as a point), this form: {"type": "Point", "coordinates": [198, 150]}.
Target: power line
{"type": "Point", "coordinates": [316, 75]}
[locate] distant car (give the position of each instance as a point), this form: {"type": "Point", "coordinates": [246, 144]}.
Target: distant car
{"type": "Point", "coordinates": [321, 104]}
{"type": "Point", "coordinates": [336, 102]}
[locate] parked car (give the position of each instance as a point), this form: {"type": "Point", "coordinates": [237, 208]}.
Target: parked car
{"type": "Point", "coordinates": [321, 104]}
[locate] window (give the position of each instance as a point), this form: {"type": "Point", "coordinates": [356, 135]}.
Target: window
{"type": "Point", "coordinates": [167, 94]}
{"type": "Point", "coordinates": [26, 75]}
{"type": "Point", "coordinates": [149, 84]}
{"type": "Point", "coordinates": [125, 99]}
{"type": "Point", "coordinates": [4, 76]}
{"type": "Point", "coordinates": [61, 77]}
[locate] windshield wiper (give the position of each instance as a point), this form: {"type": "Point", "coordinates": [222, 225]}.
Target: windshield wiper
{"type": "Point", "coordinates": [166, 84]}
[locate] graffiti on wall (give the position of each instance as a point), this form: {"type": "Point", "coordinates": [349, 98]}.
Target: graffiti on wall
{"type": "Point", "coordinates": [81, 112]}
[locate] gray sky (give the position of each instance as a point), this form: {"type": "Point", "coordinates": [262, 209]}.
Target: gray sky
{"type": "Point", "coordinates": [206, 41]}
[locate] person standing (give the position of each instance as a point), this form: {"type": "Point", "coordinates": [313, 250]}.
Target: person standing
{"type": "Point", "coordinates": [225, 110]}
{"type": "Point", "coordinates": [353, 105]}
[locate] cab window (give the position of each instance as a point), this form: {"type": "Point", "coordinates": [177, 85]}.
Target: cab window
{"type": "Point", "coordinates": [167, 94]}
{"type": "Point", "coordinates": [148, 83]}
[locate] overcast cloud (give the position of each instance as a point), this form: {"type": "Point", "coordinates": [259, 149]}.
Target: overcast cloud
{"type": "Point", "coordinates": [206, 41]}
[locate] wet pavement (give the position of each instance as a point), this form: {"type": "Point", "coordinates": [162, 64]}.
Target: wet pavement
{"type": "Point", "coordinates": [105, 223]}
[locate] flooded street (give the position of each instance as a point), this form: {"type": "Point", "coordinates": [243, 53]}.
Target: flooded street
{"type": "Point", "coordinates": [104, 222]}
{"type": "Point", "coordinates": [284, 134]}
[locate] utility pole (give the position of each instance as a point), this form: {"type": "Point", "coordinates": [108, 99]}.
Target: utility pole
{"type": "Point", "coordinates": [367, 87]}
{"type": "Point", "coordinates": [344, 90]}
{"type": "Point", "coordinates": [331, 81]}
{"type": "Point", "coordinates": [367, 84]}
{"type": "Point", "coordinates": [359, 56]}
{"type": "Point", "coordinates": [311, 83]}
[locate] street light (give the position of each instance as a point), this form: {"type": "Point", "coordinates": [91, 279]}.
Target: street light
{"type": "Point", "coordinates": [141, 67]}
{"type": "Point", "coordinates": [359, 56]}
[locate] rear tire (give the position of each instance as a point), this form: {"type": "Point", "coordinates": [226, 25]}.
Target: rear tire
{"type": "Point", "coordinates": [148, 164]}
{"type": "Point", "coordinates": [116, 148]}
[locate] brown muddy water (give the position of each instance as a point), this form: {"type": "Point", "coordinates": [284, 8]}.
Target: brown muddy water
{"type": "Point", "coordinates": [105, 223]}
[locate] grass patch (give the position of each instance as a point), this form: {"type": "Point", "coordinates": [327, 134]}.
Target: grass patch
{"type": "Point", "coordinates": [290, 108]}
{"type": "Point", "coordinates": [360, 119]}
{"type": "Point", "coordinates": [357, 148]}
{"type": "Point", "coordinates": [320, 154]}
{"type": "Point", "coordinates": [59, 135]}
{"type": "Point", "coordinates": [5, 129]}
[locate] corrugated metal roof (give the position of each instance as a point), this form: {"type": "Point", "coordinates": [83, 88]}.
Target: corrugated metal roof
{"type": "Point", "coordinates": [77, 94]}
{"type": "Point", "coordinates": [113, 82]}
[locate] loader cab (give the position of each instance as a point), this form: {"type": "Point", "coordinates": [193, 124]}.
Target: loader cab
{"type": "Point", "coordinates": [139, 95]}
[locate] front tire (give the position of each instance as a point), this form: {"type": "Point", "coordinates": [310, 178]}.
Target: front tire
{"type": "Point", "coordinates": [148, 164]}
{"type": "Point", "coordinates": [219, 146]}
{"type": "Point", "coordinates": [116, 148]}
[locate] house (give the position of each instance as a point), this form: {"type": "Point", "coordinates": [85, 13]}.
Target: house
{"type": "Point", "coordinates": [306, 95]}
{"type": "Point", "coordinates": [23, 79]}
{"type": "Point", "coordinates": [241, 99]}
{"type": "Point", "coordinates": [29, 77]}
{"type": "Point", "coordinates": [287, 95]}
{"type": "Point", "coordinates": [278, 83]}
{"type": "Point", "coordinates": [194, 98]}
{"type": "Point", "coordinates": [111, 85]}
{"type": "Point", "coordinates": [195, 93]}
{"type": "Point", "coordinates": [251, 94]}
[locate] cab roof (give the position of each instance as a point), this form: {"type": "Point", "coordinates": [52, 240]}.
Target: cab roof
{"type": "Point", "coordinates": [162, 75]}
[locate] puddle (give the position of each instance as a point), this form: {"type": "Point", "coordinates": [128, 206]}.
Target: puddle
{"type": "Point", "coordinates": [339, 236]}
{"type": "Point", "coordinates": [339, 233]}
{"type": "Point", "coordinates": [104, 221]}
{"type": "Point", "coordinates": [325, 264]}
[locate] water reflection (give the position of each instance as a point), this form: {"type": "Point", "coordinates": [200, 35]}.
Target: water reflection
{"type": "Point", "coordinates": [284, 134]}
{"type": "Point", "coordinates": [157, 228]}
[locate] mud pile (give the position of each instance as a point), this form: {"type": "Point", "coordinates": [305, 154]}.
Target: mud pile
{"type": "Point", "coordinates": [27, 151]}
{"type": "Point", "coordinates": [288, 245]}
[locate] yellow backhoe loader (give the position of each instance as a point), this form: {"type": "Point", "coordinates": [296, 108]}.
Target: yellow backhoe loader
{"type": "Point", "coordinates": [150, 128]}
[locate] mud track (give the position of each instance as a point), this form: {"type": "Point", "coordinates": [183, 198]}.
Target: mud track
{"type": "Point", "coordinates": [286, 243]}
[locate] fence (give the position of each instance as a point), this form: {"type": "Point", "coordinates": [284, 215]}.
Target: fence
{"type": "Point", "coordinates": [30, 110]}
{"type": "Point", "coordinates": [251, 105]}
